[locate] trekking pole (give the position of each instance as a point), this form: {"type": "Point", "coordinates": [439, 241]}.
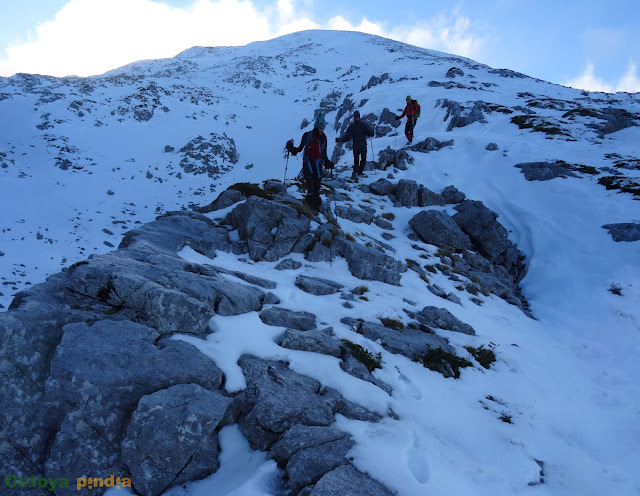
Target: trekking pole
{"type": "Point", "coordinates": [286, 165]}
{"type": "Point", "coordinates": [284, 181]}
{"type": "Point", "coordinates": [373, 154]}
{"type": "Point", "coordinates": [333, 186]}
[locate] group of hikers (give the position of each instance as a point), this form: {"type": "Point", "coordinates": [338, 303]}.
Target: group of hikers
{"type": "Point", "coordinates": [313, 144]}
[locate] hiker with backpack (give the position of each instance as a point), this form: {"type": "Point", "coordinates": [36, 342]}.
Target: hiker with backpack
{"type": "Point", "coordinates": [412, 111]}
{"type": "Point", "coordinates": [358, 132]}
{"type": "Point", "coordinates": [314, 147]}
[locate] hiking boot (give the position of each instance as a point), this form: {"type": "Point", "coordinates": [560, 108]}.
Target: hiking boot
{"type": "Point", "coordinates": [354, 177]}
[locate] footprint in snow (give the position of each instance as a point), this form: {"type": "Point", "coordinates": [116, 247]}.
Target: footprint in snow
{"type": "Point", "coordinates": [417, 462]}
{"type": "Point", "coordinates": [408, 388]}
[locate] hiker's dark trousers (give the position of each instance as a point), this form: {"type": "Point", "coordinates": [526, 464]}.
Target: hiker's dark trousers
{"type": "Point", "coordinates": [359, 158]}
{"type": "Point", "coordinates": [408, 128]}
{"type": "Point", "coordinates": [313, 177]}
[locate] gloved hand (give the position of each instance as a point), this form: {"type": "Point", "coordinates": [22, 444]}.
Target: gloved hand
{"type": "Point", "coordinates": [329, 164]}
{"type": "Point", "coordinates": [289, 146]}
{"type": "Point", "coordinates": [337, 140]}
{"type": "Point", "coordinates": [397, 118]}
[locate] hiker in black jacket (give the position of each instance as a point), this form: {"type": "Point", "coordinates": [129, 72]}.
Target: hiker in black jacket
{"type": "Point", "coordinates": [358, 132]}
{"type": "Point", "coordinates": [314, 147]}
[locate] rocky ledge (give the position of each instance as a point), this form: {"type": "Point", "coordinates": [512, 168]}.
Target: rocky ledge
{"type": "Point", "coordinates": [93, 383]}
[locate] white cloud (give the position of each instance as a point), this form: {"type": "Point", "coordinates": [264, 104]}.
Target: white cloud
{"type": "Point", "coordinates": [88, 37]}
{"type": "Point", "coordinates": [451, 33]}
{"type": "Point", "coordinates": [590, 82]}
{"type": "Point", "coordinates": [630, 81]}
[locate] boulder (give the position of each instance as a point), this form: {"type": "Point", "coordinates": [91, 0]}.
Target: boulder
{"type": "Point", "coordinates": [438, 228]}
{"type": "Point", "coordinates": [369, 263]}
{"type": "Point", "coordinates": [382, 187]}
{"type": "Point", "coordinates": [276, 398]}
{"type": "Point", "coordinates": [315, 341]}
{"type": "Point", "coordinates": [271, 229]}
{"type": "Point", "coordinates": [625, 231]}
{"type": "Point", "coordinates": [407, 193]}
{"type": "Point", "coordinates": [301, 437]}
{"type": "Point", "coordinates": [317, 286]}
{"type": "Point", "coordinates": [453, 72]}
{"type": "Point", "coordinates": [353, 214]}
{"type": "Point", "coordinates": [282, 317]}
{"type": "Point", "coordinates": [451, 195]}
{"type": "Point", "coordinates": [409, 342]}
{"type": "Point", "coordinates": [488, 236]}
{"type": "Point", "coordinates": [348, 480]}
{"type": "Point", "coordinates": [172, 437]}
{"type": "Point", "coordinates": [307, 466]}
{"type": "Point", "coordinates": [441, 318]}
{"type": "Point", "coordinates": [545, 171]}
{"type": "Point", "coordinates": [427, 198]}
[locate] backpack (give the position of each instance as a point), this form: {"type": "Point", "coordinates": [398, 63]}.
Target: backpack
{"type": "Point", "coordinates": [313, 149]}
{"type": "Point", "coordinates": [416, 107]}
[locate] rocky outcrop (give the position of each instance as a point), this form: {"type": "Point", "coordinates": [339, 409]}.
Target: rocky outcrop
{"type": "Point", "coordinates": [172, 437]}
{"type": "Point", "coordinates": [625, 231]}
{"type": "Point", "coordinates": [489, 237]}
{"type": "Point", "coordinates": [544, 171]}
{"type": "Point", "coordinates": [92, 382]}
{"type": "Point", "coordinates": [438, 228]}
{"type": "Point", "coordinates": [409, 342]}
{"type": "Point", "coordinates": [459, 117]}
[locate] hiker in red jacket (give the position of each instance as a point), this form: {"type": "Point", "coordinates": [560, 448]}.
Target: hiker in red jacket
{"type": "Point", "coordinates": [412, 111]}
{"type": "Point", "coordinates": [314, 159]}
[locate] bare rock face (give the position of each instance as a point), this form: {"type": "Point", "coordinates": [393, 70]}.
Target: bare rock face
{"type": "Point", "coordinates": [172, 437]}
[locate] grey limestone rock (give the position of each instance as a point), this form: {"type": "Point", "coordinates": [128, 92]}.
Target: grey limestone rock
{"type": "Point", "coordinates": [492, 147]}
{"type": "Point", "coordinates": [172, 437]}
{"type": "Point", "coordinates": [316, 341]}
{"type": "Point", "coordinates": [544, 171]}
{"type": "Point", "coordinates": [441, 318]}
{"type": "Point", "coordinates": [282, 317]}
{"type": "Point", "coordinates": [317, 286]}
{"type": "Point", "coordinates": [489, 237]}
{"type": "Point", "coordinates": [356, 368]}
{"type": "Point", "coordinates": [615, 120]}
{"type": "Point", "coordinates": [430, 145]}
{"type": "Point", "coordinates": [451, 195]}
{"type": "Point", "coordinates": [348, 480]}
{"type": "Point", "coordinates": [369, 263]}
{"type": "Point", "coordinates": [288, 264]}
{"type": "Point", "coordinates": [453, 72]}
{"type": "Point", "coordinates": [271, 229]}
{"type": "Point", "coordinates": [461, 118]}
{"type": "Point", "coordinates": [276, 398]}
{"type": "Point", "coordinates": [307, 466]}
{"type": "Point", "coordinates": [407, 193]}
{"type": "Point", "coordinates": [300, 437]}
{"type": "Point", "coordinates": [625, 231]}
{"type": "Point", "coordinates": [428, 198]}
{"type": "Point", "coordinates": [354, 214]}
{"type": "Point", "coordinates": [382, 187]}
{"type": "Point", "coordinates": [438, 228]}
{"type": "Point", "coordinates": [408, 342]}
{"type": "Point", "coordinates": [227, 198]}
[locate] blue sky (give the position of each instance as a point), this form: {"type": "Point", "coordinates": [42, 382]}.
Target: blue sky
{"type": "Point", "coordinates": [588, 44]}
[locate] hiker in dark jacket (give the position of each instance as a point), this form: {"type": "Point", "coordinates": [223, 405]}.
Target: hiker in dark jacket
{"type": "Point", "coordinates": [314, 147]}
{"type": "Point", "coordinates": [412, 111]}
{"type": "Point", "coordinates": [358, 132]}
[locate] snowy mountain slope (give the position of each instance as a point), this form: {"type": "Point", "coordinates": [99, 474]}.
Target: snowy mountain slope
{"type": "Point", "coordinates": [85, 159]}
{"type": "Point", "coordinates": [565, 380]}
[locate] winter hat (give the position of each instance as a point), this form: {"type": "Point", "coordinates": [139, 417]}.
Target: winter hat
{"type": "Point", "coordinates": [356, 115]}
{"type": "Point", "coordinates": [320, 122]}
{"type": "Point", "coordinates": [408, 97]}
